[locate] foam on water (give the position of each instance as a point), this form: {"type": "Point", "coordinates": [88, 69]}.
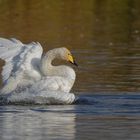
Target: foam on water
{"type": "Point", "coordinates": [49, 97]}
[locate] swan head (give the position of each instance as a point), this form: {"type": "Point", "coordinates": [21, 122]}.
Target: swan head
{"type": "Point", "coordinates": [46, 66]}
{"type": "Point", "coordinates": [65, 54]}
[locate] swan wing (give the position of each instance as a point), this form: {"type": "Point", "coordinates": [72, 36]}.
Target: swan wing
{"type": "Point", "coordinates": [20, 62]}
{"type": "Point", "coordinates": [8, 50]}
{"type": "Point", "coordinates": [53, 83]}
{"type": "Point", "coordinates": [58, 83]}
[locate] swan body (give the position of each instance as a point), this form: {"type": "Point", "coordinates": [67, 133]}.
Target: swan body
{"type": "Point", "coordinates": [28, 74]}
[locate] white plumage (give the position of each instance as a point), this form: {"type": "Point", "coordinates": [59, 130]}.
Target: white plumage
{"type": "Point", "coordinates": [29, 75]}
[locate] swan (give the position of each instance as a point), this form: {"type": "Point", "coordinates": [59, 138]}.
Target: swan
{"type": "Point", "coordinates": [29, 75]}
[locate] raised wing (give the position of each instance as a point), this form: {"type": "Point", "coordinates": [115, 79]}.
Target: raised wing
{"type": "Point", "coordinates": [8, 50]}
{"type": "Point", "coordinates": [21, 65]}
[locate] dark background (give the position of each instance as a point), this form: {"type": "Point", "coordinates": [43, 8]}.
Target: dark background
{"type": "Point", "coordinates": [104, 36]}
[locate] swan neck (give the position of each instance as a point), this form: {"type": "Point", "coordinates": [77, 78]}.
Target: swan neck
{"type": "Point", "coordinates": [49, 70]}
{"type": "Point", "coordinates": [46, 63]}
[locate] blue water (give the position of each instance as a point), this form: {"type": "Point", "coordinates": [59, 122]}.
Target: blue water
{"type": "Point", "coordinates": [90, 117]}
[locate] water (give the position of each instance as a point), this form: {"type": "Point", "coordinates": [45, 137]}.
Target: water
{"type": "Point", "coordinates": [104, 37]}
{"type": "Point", "coordinates": [92, 117]}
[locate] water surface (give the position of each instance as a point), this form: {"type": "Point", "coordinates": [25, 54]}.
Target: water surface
{"type": "Point", "coordinates": [91, 117]}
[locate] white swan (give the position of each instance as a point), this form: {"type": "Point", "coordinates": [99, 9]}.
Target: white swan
{"type": "Point", "coordinates": [28, 75]}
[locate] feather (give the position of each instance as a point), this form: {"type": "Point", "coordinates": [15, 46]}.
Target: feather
{"type": "Point", "coordinates": [18, 58]}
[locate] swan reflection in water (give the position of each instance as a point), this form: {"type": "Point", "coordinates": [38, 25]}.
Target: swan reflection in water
{"type": "Point", "coordinates": [38, 123]}
{"type": "Point", "coordinates": [29, 76]}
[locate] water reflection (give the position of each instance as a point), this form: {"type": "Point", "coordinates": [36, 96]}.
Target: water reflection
{"type": "Point", "coordinates": [103, 117]}
{"type": "Point", "coordinates": [37, 124]}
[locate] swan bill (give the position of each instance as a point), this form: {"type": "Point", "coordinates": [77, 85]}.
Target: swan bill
{"type": "Point", "coordinates": [74, 63]}
{"type": "Point", "coordinates": [71, 60]}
